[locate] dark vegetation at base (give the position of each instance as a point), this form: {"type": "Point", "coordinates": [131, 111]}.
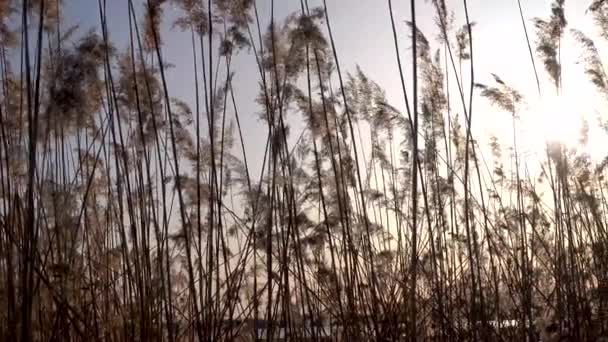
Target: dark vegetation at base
{"type": "Point", "coordinates": [127, 215]}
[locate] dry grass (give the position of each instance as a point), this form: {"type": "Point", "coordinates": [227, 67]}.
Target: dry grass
{"type": "Point", "coordinates": [126, 215]}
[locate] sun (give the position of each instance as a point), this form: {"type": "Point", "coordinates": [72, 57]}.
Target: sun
{"type": "Point", "coordinates": [558, 119]}
{"type": "Point", "coordinates": [563, 119]}
{"type": "Point", "coordinates": [554, 119]}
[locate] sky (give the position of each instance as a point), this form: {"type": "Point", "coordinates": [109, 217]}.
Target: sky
{"type": "Point", "coordinates": [363, 37]}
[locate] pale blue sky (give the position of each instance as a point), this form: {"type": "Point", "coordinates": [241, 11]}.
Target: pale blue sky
{"type": "Point", "coordinates": [363, 36]}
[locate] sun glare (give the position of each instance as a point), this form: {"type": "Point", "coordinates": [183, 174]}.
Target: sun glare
{"type": "Point", "coordinates": [559, 120]}
{"type": "Point", "coordinates": [562, 119]}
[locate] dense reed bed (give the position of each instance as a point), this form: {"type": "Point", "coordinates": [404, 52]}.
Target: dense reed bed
{"type": "Point", "coordinates": [128, 213]}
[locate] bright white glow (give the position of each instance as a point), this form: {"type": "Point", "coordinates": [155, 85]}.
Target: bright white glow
{"type": "Point", "coordinates": [557, 119]}
{"type": "Point", "coordinates": [560, 119]}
